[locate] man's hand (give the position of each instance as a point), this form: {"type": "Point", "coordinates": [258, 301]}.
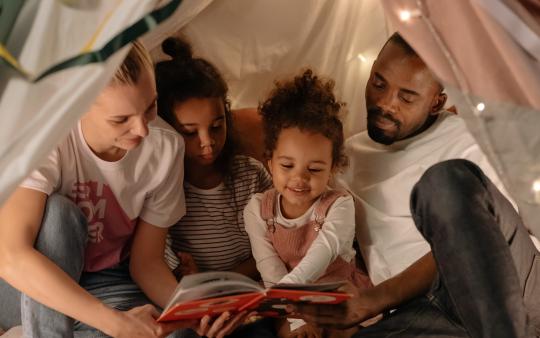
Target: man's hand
{"type": "Point", "coordinates": [222, 325]}
{"type": "Point", "coordinates": [366, 304]}
{"type": "Point", "coordinates": [360, 307]}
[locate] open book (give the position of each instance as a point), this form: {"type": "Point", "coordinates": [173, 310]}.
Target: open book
{"type": "Point", "coordinates": [211, 293]}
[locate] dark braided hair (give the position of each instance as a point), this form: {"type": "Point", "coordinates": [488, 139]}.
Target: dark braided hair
{"type": "Point", "coordinates": [184, 77]}
{"type": "Point", "coordinates": [307, 103]}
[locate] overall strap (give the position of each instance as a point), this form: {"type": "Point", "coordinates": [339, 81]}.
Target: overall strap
{"type": "Point", "coordinates": [321, 209]}
{"type": "Point", "coordinates": [267, 208]}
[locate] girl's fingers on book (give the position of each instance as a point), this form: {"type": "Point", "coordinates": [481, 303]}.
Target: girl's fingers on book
{"type": "Point", "coordinates": [232, 324]}
{"type": "Point", "coordinates": [217, 325]}
{"type": "Point", "coordinates": [203, 326]}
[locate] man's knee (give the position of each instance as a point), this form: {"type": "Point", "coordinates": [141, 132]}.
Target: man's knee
{"type": "Point", "coordinates": [446, 191]}
{"type": "Point", "coordinates": [448, 174]}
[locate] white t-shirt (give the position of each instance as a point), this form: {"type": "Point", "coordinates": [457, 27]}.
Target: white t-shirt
{"type": "Point", "coordinates": [145, 183]}
{"type": "Point", "coordinates": [334, 239]}
{"type": "Point", "coordinates": [382, 177]}
{"type": "Point", "coordinates": [213, 230]}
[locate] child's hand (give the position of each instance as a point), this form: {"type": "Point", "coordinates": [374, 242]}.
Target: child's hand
{"type": "Point", "coordinates": [187, 265]}
{"type": "Point", "coordinates": [221, 326]}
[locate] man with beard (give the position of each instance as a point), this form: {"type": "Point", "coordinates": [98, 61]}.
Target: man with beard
{"type": "Point", "coordinates": [447, 252]}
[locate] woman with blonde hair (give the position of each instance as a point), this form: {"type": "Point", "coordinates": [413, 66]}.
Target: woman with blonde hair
{"type": "Point", "coordinates": [93, 215]}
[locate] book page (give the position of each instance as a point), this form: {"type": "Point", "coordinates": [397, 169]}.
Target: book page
{"type": "Point", "coordinates": [212, 285]}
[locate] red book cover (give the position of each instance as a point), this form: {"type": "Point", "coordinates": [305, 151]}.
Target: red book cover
{"type": "Point", "coordinates": [211, 293]}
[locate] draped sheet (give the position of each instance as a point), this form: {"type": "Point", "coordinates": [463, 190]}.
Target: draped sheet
{"type": "Point", "coordinates": [487, 52]}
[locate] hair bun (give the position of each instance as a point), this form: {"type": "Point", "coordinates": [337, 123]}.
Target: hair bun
{"type": "Point", "coordinates": [178, 49]}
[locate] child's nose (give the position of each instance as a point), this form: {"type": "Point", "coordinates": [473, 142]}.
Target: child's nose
{"type": "Point", "coordinates": [206, 140]}
{"type": "Point", "coordinates": [302, 175]}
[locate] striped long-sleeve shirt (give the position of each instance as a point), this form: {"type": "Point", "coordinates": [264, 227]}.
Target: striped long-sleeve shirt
{"type": "Point", "coordinates": [212, 230]}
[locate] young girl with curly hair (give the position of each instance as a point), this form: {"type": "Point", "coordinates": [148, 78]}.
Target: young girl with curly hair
{"type": "Point", "coordinates": [302, 231]}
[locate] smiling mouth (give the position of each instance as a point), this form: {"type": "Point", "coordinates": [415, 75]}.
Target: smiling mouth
{"type": "Point", "coordinates": [299, 190]}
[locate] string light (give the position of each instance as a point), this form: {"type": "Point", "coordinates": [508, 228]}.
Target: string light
{"type": "Point", "coordinates": [481, 106]}
{"type": "Point", "coordinates": [536, 191]}
{"type": "Point", "coordinates": [406, 15]}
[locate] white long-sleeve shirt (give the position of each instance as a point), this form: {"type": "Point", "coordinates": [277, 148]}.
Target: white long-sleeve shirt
{"type": "Point", "coordinates": [334, 239]}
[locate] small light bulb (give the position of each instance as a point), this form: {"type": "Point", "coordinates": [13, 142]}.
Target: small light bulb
{"type": "Point", "coordinates": [536, 186]}
{"type": "Point", "coordinates": [481, 106]}
{"type": "Point", "coordinates": [361, 57]}
{"type": "Point", "coordinates": [405, 15]}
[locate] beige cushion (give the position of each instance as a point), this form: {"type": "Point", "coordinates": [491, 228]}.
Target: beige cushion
{"type": "Point", "coordinates": [248, 133]}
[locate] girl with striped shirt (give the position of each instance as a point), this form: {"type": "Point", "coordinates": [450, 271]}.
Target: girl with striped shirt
{"type": "Point", "coordinates": [192, 97]}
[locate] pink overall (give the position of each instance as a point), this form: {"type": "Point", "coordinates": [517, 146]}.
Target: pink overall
{"type": "Point", "coordinates": [292, 245]}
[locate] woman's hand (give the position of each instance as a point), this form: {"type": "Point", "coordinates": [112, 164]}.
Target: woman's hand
{"type": "Point", "coordinates": [140, 322]}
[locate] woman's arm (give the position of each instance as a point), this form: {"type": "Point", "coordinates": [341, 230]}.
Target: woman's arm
{"type": "Point", "coordinates": [147, 264]}
{"type": "Point", "coordinates": [26, 269]}
{"type": "Point", "coordinates": [149, 270]}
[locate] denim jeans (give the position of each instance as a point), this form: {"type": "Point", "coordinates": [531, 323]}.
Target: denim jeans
{"type": "Point", "coordinates": [488, 282]}
{"type": "Point", "coordinates": [62, 238]}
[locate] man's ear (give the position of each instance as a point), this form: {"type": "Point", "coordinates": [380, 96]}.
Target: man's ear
{"type": "Point", "coordinates": [438, 103]}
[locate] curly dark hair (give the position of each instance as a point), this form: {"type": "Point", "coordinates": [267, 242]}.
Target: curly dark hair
{"type": "Point", "coordinates": [184, 77]}
{"type": "Point", "coordinates": [308, 103]}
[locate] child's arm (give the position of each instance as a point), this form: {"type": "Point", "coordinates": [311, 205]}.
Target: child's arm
{"type": "Point", "coordinates": [334, 238]}
{"type": "Point", "coordinates": [248, 268]}
{"type": "Point", "coordinates": [269, 264]}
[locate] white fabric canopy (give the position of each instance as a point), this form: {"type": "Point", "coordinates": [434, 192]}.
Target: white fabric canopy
{"type": "Point", "coordinates": [37, 115]}
{"type": "Point", "coordinates": [487, 52]}
{"type": "Point", "coordinates": [254, 42]}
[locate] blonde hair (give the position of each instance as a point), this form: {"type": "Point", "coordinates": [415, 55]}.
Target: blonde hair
{"type": "Point", "coordinates": [137, 59]}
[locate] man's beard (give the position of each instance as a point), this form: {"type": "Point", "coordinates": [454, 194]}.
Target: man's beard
{"type": "Point", "coordinates": [377, 134]}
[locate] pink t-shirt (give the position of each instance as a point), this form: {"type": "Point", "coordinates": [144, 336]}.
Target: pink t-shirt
{"type": "Point", "coordinates": [145, 183]}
